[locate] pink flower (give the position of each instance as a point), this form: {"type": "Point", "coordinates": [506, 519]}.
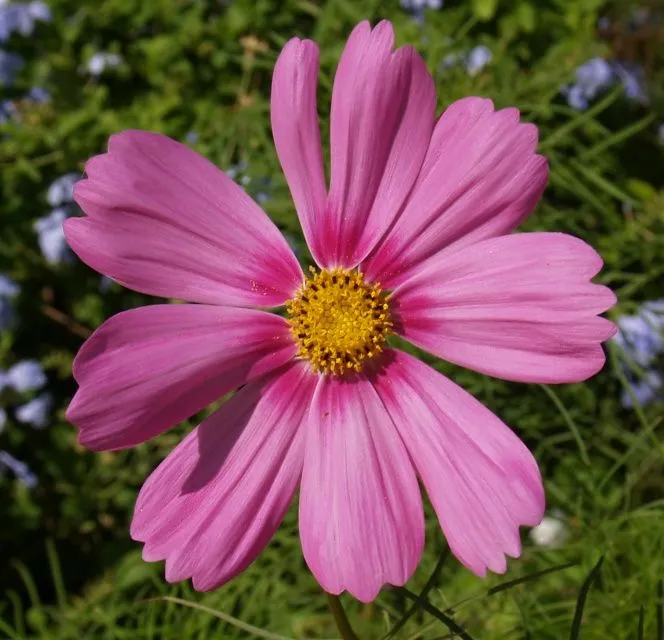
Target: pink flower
{"type": "Point", "coordinates": [419, 207]}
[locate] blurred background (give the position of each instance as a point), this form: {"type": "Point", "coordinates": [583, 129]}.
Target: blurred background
{"type": "Point", "coordinates": [588, 73]}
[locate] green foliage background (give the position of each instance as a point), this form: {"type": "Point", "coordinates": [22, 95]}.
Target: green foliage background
{"type": "Point", "coordinates": [69, 569]}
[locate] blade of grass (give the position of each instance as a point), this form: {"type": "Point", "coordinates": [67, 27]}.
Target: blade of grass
{"type": "Point", "coordinates": [447, 620]}
{"type": "Point", "coordinates": [11, 633]}
{"type": "Point", "coordinates": [564, 177]}
{"type": "Point", "coordinates": [618, 137]}
{"type": "Point", "coordinates": [581, 600]}
{"type": "Point", "coordinates": [56, 574]}
{"type": "Point", "coordinates": [604, 184]}
{"type": "Point", "coordinates": [570, 422]}
{"type": "Point", "coordinates": [597, 108]}
{"type": "Point", "coordinates": [420, 598]}
{"type": "Point", "coordinates": [249, 628]}
{"type": "Point", "coordinates": [660, 610]}
{"type": "Point", "coordinates": [504, 586]}
{"type": "Point", "coordinates": [639, 630]}
{"type": "Point", "coordinates": [527, 578]}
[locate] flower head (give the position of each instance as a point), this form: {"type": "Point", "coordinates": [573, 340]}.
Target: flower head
{"type": "Point", "coordinates": [414, 236]}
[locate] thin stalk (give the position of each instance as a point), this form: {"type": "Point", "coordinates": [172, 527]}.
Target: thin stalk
{"type": "Point", "coordinates": [340, 618]}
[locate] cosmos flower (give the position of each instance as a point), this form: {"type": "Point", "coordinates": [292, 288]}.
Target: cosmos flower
{"type": "Point", "coordinates": [413, 237]}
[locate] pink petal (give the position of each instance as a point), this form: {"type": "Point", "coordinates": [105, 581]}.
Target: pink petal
{"type": "Point", "coordinates": [211, 507]}
{"type": "Point", "coordinates": [382, 118]}
{"type": "Point", "coordinates": [361, 518]}
{"type": "Point", "coordinates": [165, 221]}
{"type": "Point", "coordinates": [297, 136]}
{"type": "Point", "coordinates": [519, 307]}
{"type": "Point", "coordinates": [145, 370]}
{"type": "Point", "coordinates": [481, 479]}
{"type": "Point", "coordinates": [481, 178]}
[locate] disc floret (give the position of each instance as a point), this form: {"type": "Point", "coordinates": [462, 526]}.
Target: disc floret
{"type": "Point", "coordinates": [339, 320]}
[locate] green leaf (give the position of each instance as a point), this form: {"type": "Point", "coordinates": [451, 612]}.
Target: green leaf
{"type": "Point", "coordinates": [484, 9]}
{"type": "Point", "coordinates": [423, 595]}
{"type": "Point", "coordinates": [446, 619]}
{"type": "Point", "coordinates": [525, 14]}
{"type": "Point", "coordinates": [581, 600]}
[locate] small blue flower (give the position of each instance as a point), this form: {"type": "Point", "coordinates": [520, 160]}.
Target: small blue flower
{"type": "Point", "coordinates": [105, 284]}
{"type": "Point", "coordinates": [598, 74]}
{"type": "Point", "coordinates": [26, 375]}
{"type": "Point", "coordinates": [102, 61]}
{"type": "Point", "coordinates": [633, 81]}
{"type": "Point", "coordinates": [604, 23]}
{"type": "Point", "coordinates": [51, 236]}
{"type": "Point", "coordinates": [20, 469]}
{"type": "Point", "coordinates": [61, 190]}
{"type": "Point", "coordinates": [646, 390]}
{"type": "Point", "coordinates": [8, 111]}
{"type": "Point", "coordinates": [449, 61]}
{"type": "Point", "coordinates": [591, 78]}
{"type": "Point", "coordinates": [420, 5]}
{"type": "Point", "coordinates": [478, 58]}
{"type": "Point", "coordinates": [38, 95]}
{"type": "Point", "coordinates": [20, 17]}
{"type": "Point", "coordinates": [8, 290]}
{"type": "Point", "coordinates": [36, 412]}
{"type": "Point", "coordinates": [191, 137]}
{"type": "Point", "coordinates": [236, 170]}
{"type": "Point", "coordinates": [10, 65]}
{"type": "Point", "coordinates": [40, 11]}
{"type": "Point", "coordinates": [641, 337]}
{"type": "Point", "coordinates": [576, 97]}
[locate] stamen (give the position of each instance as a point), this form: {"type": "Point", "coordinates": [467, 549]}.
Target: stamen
{"type": "Point", "coordinates": [339, 321]}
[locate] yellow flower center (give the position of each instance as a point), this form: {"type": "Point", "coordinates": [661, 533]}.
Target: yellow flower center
{"type": "Point", "coordinates": [339, 321]}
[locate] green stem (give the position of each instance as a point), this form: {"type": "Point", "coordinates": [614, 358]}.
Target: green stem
{"type": "Point", "coordinates": [340, 617]}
